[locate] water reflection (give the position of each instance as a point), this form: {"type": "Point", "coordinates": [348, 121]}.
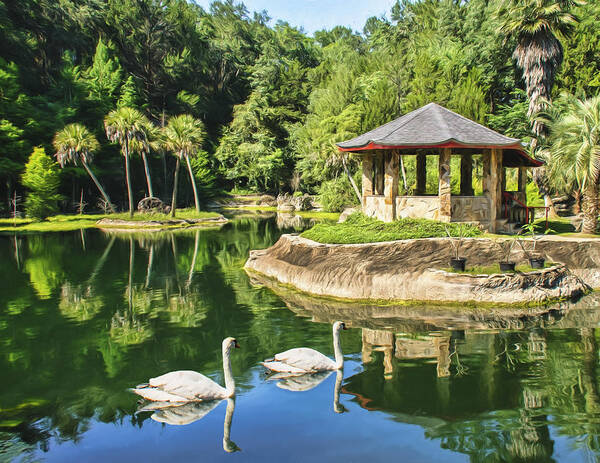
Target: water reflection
{"type": "Point", "coordinates": [85, 316]}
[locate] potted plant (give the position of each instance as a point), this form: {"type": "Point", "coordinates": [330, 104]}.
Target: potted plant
{"type": "Point", "coordinates": [456, 241]}
{"type": "Point", "coordinates": [536, 260]}
{"type": "Point", "coordinates": [506, 246]}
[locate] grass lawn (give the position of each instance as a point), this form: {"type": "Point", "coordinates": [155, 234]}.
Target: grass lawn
{"type": "Point", "coordinates": [362, 229]}
{"type": "Point", "coordinates": [59, 223]}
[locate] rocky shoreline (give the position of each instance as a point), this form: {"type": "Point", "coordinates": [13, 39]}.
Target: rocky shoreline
{"type": "Point", "coordinates": [410, 270]}
{"type": "Point", "coordinates": [156, 225]}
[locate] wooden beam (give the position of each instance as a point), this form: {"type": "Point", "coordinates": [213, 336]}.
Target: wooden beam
{"type": "Point", "coordinates": [492, 184]}
{"type": "Point", "coordinates": [391, 185]}
{"type": "Point", "coordinates": [466, 175]}
{"type": "Point", "coordinates": [445, 190]}
{"type": "Point", "coordinates": [523, 183]}
{"type": "Point", "coordinates": [367, 176]}
{"type": "Point", "coordinates": [421, 174]}
{"type": "Point", "coordinates": [379, 172]}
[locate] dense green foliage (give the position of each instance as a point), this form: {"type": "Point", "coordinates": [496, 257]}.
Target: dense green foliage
{"type": "Point", "coordinates": [273, 100]}
{"type": "Point", "coordinates": [42, 179]}
{"type": "Point", "coordinates": [359, 228]}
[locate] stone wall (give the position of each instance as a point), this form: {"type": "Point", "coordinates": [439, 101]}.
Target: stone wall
{"type": "Point", "coordinates": [426, 207]}
{"type": "Point", "coordinates": [374, 206]}
{"type": "Point", "coordinates": [470, 209]}
{"type": "Point", "coordinates": [464, 208]}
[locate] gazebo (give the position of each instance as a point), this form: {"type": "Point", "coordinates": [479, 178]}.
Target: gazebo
{"type": "Point", "coordinates": [434, 130]}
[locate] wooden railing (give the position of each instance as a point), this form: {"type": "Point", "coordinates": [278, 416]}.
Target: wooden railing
{"type": "Point", "coordinates": [516, 211]}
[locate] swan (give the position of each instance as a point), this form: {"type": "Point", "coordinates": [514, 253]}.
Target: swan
{"type": "Point", "coordinates": [302, 360]}
{"type": "Point", "coordinates": [190, 386]}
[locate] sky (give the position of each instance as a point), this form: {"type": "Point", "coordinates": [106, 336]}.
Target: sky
{"type": "Point", "coordinates": [313, 15]}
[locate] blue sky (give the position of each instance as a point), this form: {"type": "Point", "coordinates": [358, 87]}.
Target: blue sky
{"type": "Point", "coordinates": [313, 15]}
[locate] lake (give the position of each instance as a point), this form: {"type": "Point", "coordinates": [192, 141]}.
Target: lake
{"type": "Point", "coordinates": [84, 316]}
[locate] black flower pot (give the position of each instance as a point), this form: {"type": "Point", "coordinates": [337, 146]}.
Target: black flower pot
{"type": "Point", "coordinates": [458, 264]}
{"type": "Point", "coordinates": [507, 266]}
{"type": "Point", "coordinates": [537, 262]}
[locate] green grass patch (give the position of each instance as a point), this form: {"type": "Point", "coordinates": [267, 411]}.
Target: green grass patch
{"type": "Point", "coordinates": [61, 223]}
{"type": "Point", "coordinates": [306, 214]}
{"type": "Point", "coordinates": [252, 208]}
{"type": "Point", "coordinates": [189, 213]}
{"type": "Point", "coordinates": [556, 226]}
{"type": "Point", "coordinates": [362, 229]}
{"type": "Point", "coordinates": [493, 269]}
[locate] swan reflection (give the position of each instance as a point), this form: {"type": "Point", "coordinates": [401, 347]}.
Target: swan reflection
{"type": "Point", "coordinates": [188, 413]}
{"type": "Point", "coordinates": [307, 382]}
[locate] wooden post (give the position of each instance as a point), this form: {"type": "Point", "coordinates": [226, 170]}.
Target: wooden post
{"type": "Point", "coordinates": [379, 172]}
{"type": "Point", "coordinates": [492, 188]}
{"type": "Point", "coordinates": [421, 174]}
{"type": "Point", "coordinates": [523, 183]}
{"type": "Point", "coordinates": [466, 175]}
{"type": "Point", "coordinates": [367, 177]}
{"type": "Point", "coordinates": [445, 190]}
{"type": "Point", "coordinates": [391, 185]}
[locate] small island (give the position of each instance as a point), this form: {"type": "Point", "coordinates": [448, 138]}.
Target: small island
{"type": "Point", "coordinates": [397, 248]}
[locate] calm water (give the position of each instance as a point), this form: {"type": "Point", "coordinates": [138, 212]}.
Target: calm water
{"type": "Point", "coordinates": [85, 316]}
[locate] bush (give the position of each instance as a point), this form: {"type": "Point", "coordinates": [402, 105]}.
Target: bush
{"type": "Point", "coordinates": [42, 177]}
{"type": "Point", "coordinates": [359, 228]}
{"type": "Point", "coordinates": [335, 195]}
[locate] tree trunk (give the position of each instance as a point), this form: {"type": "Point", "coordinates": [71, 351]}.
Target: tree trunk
{"type": "Point", "coordinates": [175, 182]}
{"type": "Point", "coordinates": [195, 256]}
{"type": "Point", "coordinates": [352, 182]}
{"type": "Point", "coordinates": [130, 279]}
{"type": "Point", "coordinates": [95, 180]}
{"type": "Point", "coordinates": [590, 209]}
{"type": "Point", "coordinates": [128, 180]}
{"type": "Point", "coordinates": [403, 170]}
{"type": "Point", "coordinates": [541, 181]}
{"type": "Point", "coordinates": [193, 180]}
{"type": "Point", "coordinates": [577, 205]}
{"type": "Point", "coordinates": [150, 265]}
{"type": "Point", "coordinates": [147, 171]}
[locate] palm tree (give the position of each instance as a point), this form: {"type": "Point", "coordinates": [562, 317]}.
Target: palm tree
{"type": "Point", "coordinates": [575, 154]}
{"type": "Point", "coordinates": [129, 128]}
{"type": "Point", "coordinates": [183, 135]}
{"type": "Point", "coordinates": [537, 26]}
{"type": "Point", "coordinates": [76, 144]}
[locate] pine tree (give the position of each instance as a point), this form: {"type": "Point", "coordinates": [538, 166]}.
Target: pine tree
{"type": "Point", "coordinates": [42, 177]}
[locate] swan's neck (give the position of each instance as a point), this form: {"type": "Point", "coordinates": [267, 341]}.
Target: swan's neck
{"type": "Point", "coordinates": [228, 419]}
{"type": "Point", "coordinates": [228, 445]}
{"type": "Point", "coordinates": [336, 392]}
{"type": "Point", "coordinates": [337, 349]}
{"type": "Point", "coordinates": [229, 381]}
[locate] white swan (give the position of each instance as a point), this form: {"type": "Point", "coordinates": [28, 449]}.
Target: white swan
{"type": "Point", "coordinates": [302, 360]}
{"type": "Point", "coordinates": [191, 386]}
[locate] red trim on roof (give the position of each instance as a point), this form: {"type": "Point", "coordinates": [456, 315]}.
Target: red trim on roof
{"type": "Point", "coordinates": [451, 144]}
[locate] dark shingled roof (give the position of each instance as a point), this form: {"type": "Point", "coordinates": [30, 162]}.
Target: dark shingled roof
{"type": "Point", "coordinates": [434, 126]}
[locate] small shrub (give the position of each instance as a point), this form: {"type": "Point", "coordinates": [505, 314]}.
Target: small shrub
{"type": "Point", "coordinates": [335, 195]}
{"type": "Point", "coordinates": [42, 177]}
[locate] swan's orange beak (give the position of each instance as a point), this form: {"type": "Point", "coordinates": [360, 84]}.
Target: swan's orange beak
{"type": "Point", "coordinates": [344, 326]}
{"type": "Point", "coordinates": [235, 344]}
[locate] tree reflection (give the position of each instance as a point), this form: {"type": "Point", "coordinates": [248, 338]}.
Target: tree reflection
{"type": "Point", "coordinates": [496, 388]}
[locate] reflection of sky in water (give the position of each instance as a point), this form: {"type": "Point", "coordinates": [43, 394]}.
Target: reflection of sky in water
{"type": "Point", "coordinates": [78, 328]}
